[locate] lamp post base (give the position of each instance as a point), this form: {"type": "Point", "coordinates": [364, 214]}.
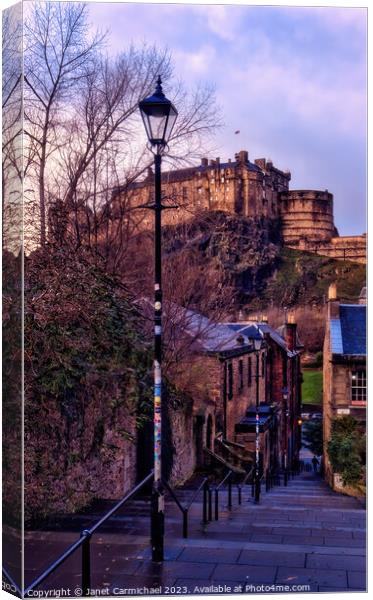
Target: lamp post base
{"type": "Point", "coordinates": [157, 525]}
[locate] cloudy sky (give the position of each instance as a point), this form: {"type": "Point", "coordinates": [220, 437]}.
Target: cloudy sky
{"type": "Point", "coordinates": [291, 80]}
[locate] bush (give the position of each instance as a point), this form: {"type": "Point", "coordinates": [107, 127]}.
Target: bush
{"type": "Point", "coordinates": [346, 450]}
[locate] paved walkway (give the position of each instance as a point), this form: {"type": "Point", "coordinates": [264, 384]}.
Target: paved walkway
{"type": "Point", "coordinates": [300, 535]}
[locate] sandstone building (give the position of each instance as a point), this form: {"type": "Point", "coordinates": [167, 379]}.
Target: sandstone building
{"type": "Point", "coordinates": [344, 371]}
{"type": "Point", "coordinates": [250, 189]}
{"type": "Point", "coordinates": [220, 375]}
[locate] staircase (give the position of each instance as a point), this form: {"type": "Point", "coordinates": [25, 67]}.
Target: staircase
{"type": "Point", "coordinates": [300, 537]}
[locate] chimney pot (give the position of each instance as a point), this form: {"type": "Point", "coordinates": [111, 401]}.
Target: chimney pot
{"type": "Point", "coordinates": [332, 292]}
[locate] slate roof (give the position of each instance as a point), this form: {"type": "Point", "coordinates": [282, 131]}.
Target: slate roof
{"type": "Point", "coordinates": [250, 330]}
{"type": "Point", "coordinates": [214, 337]}
{"type": "Point", "coordinates": [350, 337]}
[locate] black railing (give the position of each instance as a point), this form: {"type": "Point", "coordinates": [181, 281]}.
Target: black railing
{"type": "Point", "coordinates": [185, 509]}
{"type": "Point", "coordinates": [84, 542]}
{"type": "Point", "coordinates": [271, 478]}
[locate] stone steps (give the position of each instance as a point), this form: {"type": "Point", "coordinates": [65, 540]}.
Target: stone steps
{"type": "Point", "coordinates": [302, 533]}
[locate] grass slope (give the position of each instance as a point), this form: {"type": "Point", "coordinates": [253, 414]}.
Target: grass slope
{"type": "Point", "coordinates": [312, 387]}
{"type": "Point", "coordinates": [304, 278]}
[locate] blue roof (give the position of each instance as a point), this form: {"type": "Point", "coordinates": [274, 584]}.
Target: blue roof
{"type": "Point", "coordinates": [353, 329]}
{"type": "Point", "coordinates": [250, 330]}
{"type": "Point", "coordinates": [336, 336]}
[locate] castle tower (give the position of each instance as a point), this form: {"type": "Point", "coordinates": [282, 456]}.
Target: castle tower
{"type": "Point", "coordinates": [307, 216]}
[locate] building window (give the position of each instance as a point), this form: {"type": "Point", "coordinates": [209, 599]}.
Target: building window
{"type": "Point", "coordinates": [240, 375]}
{"type": "Point", "coordinates": [358, 386]}
{"type": "Point", "coordinates": [185, 194]}
{"type": "Point", "coordinates": [230, 381]}
{"type": "Point", "coordinates": [249, 371]}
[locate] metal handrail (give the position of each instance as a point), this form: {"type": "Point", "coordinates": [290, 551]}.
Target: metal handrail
{"type": "Point", "coordinates": [84, 541]}
{"type": "Point", "coordinates": [248, 475]}
{"type": "Point", "coordinates": [204, 481]}
{"type": "Point", "coordinates": [223, 480]}
{"type": "Point", "coordinates": [185, 509]}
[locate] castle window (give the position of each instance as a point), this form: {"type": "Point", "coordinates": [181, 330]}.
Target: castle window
{"type": "Point", "coordinates": [200, 190]}
{"type": "Point", "coordinates": [222, 179]}
{"type": "Point", "coordinates": [185, 194]}
{"type": "Point", "coordinates": [358, 386]}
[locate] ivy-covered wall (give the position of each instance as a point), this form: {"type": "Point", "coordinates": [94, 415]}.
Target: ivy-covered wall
{"type": "Point", "coordinates": [87, 381]}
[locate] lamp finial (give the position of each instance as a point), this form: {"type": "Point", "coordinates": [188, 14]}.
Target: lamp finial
{"type": "Point", "coordinates": [158, 89]}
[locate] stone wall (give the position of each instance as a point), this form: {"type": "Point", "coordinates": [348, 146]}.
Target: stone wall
{"type": "Point", "coordinates": [184, 455]}
{"type": "Point", "coordinates": [343, 248]}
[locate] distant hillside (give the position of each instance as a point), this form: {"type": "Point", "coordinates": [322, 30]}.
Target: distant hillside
{"type": "Point", "coordinates": [302, 278]}
{"type": "Point", "coordinates": [264, 273]}
{"type": "Point", "coordinates": [265, 276]}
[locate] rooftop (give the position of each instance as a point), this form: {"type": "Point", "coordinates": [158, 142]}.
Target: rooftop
{"type": "Point", "coordinates": [348, 333]}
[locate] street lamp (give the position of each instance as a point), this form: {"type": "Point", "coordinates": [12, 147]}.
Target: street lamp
{"type": "Point", "coordinates": [257, 343]}
{"type": "Point", "coordinates": [159, 116]}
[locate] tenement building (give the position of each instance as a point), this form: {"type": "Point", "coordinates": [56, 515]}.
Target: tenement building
{"type": "Point", "coordinates": [225, 375]}
{"type": "Point", "coordinates": [344, 371]}
{"type": "Point", "coordinates": [251, 189]}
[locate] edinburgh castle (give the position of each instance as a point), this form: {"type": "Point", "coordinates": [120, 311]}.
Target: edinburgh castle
{"type": "Point", "coordinates": [250, 189]}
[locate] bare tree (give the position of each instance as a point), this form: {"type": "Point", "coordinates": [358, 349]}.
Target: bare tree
{"type": "Point", "coordinates": [83, 123]}
{"type": "Point", "coordinates": [57, 53]}
{"type": "Point", "coordinates": [12, 127]}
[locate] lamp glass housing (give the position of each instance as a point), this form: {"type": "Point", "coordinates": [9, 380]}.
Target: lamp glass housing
{"type": "Point", "coordinates": [159, 116]}
{"type": "Point", "coordinates": [257, 343]}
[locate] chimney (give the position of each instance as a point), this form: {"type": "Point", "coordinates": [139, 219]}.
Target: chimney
{"type": "Point", "coordinates": [204, 162]}
{"type": "Point", "coordinates": [291, 332]}
{"type": "Point", "coordinates": [212, 163]}
{"type": "Point", "coordinates": [217, 161]}
{"type": "Point", "coordinates": [333, 302]}
{"type": "Point", "coordinates": [242, 156]}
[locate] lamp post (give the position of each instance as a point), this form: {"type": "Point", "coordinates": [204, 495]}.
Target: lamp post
{"type": "Point", "coordinates": [159, 116]}
{"type": "Point", "coordinates": [257, 343]}
{"type": "Point", "coordinates": [285, 395]}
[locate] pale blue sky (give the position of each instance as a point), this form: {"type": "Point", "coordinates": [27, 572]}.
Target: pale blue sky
{"type": "Point", "coordinates": [291, 80]}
